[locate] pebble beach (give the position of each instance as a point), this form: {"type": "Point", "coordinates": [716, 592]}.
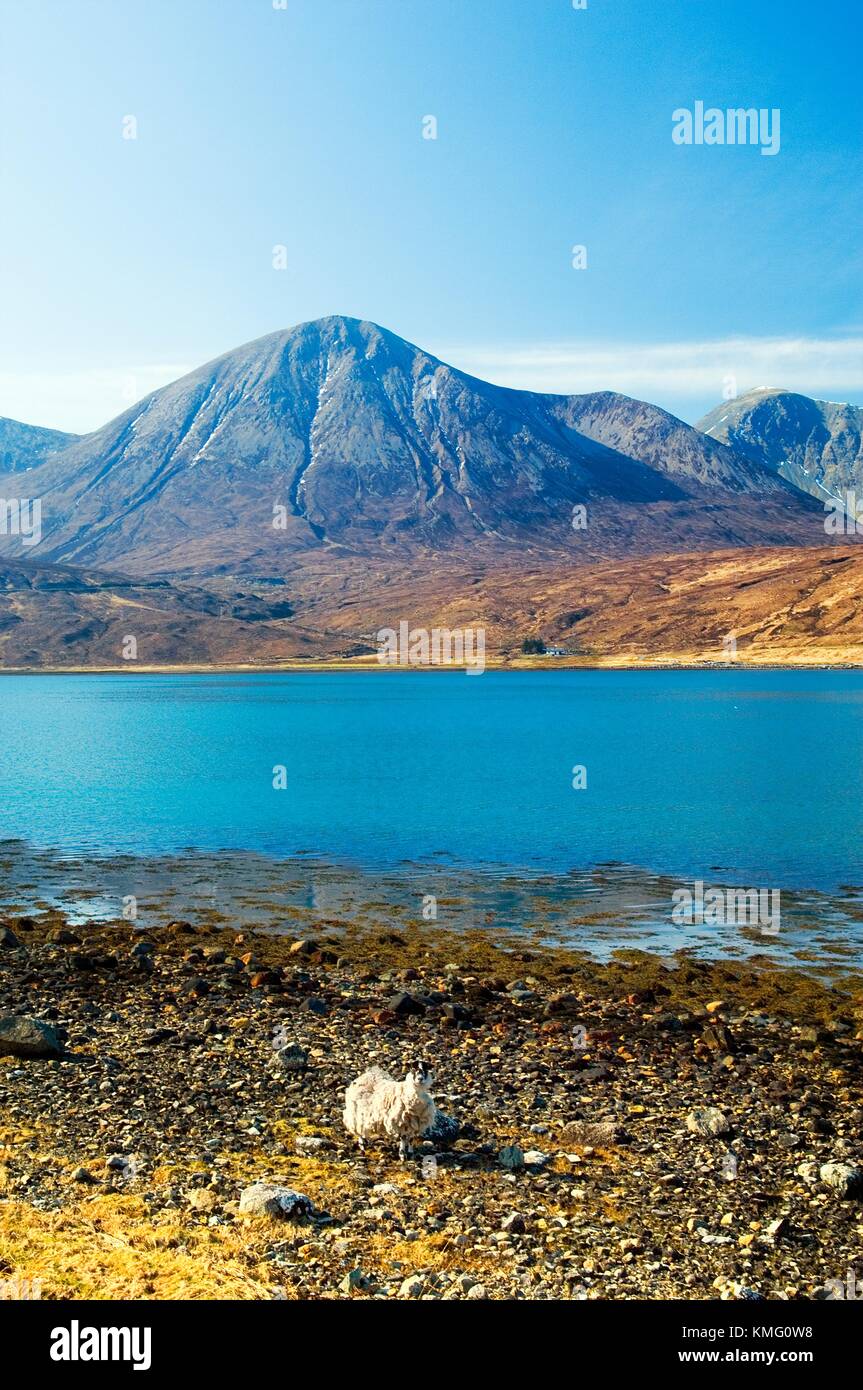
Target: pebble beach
{"type": "Point", "coordinates": [632, 1128]}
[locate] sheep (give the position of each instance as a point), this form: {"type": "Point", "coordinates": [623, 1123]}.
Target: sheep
{"type": "Point", "coordinates": [378, 1106]}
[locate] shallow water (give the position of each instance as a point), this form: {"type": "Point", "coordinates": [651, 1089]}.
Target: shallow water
{"type": "Point", "coordinates": [600, 910]}
{"type": "Point", "coordinates": [394, 781]}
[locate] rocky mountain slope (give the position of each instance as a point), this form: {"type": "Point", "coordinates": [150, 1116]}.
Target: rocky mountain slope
{"type": "Point", "coordinates": [662, 442]}
{"type": "Point", "coordinates": [782, 606]}
{"type": "Point", "coordinates": [816, 445]}
{"type": "Point", "coordinates": [25, 446]}
{"type": "Point", "coordinates": [340, 434]}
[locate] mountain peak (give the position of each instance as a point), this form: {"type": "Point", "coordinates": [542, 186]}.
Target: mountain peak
{"type": "Point", "coordinates": [816, 445]}
{"type": "Point", "coordinates": [337, 432]}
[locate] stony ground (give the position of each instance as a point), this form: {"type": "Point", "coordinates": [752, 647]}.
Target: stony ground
{"type": "Point", "coordinates": [627, 1130]}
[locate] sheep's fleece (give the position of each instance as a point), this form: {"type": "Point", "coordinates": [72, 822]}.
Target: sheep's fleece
{"type": "Point", "coordinates": [377, 1106]}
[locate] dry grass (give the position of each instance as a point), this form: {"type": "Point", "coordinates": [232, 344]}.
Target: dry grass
{"type": "Point", "coordinates": [112, 1246]}
{"type": "Point", "coordinates": [109, 1247]}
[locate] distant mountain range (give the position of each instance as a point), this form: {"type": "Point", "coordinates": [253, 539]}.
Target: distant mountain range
{"type": "Point", "coordinates": [816, 445]}
{"type": "Point", "coordinates": [372, 445]}
{"type": "Point", "coordinates": [293, 495]}
{"type": "Point", "coordinates": [23, 446]}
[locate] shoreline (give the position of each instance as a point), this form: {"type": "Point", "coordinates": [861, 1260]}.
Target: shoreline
{"type": "Point", "coordinates": [594, 910]}
{"type": "Point", "coordinates": [580, 1167]}
{"type": "Point", "coordinates": [314, 667]}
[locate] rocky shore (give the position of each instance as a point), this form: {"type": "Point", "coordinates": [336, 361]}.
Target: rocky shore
{"type": "Point", "coordinates": [170, 1118]}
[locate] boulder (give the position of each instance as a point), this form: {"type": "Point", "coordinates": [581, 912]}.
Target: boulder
{"type": "Point", "coordinates": [27, 1037]}
{"type": "Point", "coordinates": [290, 1058]}
{"type": "Point", "coordinates": [403, 1005]}
{"type": "Point", "coordinates": [270, 1199]}
{"type": "Point", "coordinates": [707, 1120]}
{"type": "Point", "coordinates": [443, 1130]}
{"type": "Point", "coordinates": [596, 1134]}
{"type": "Point", "coordinates": [844, 1178]}
{"type": "Point", "coordinates": [511, 1157]}
{"type": "Point", "coordinates": [412, 1287]}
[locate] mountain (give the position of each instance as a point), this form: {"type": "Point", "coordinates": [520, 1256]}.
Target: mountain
{"type": "Point", "coordinates": [658, 439]}
{"type": "Point", "coordinates": [24, 446]}
{"type": "Point", "coordinates": [816, 445]}
{"type": "Point", "coordinates": [339, 437]}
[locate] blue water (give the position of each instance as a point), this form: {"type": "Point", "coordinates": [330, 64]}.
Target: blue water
{"type": "Point", "coordinates": [756, 774]}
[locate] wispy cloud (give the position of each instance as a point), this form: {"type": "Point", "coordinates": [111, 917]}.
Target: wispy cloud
{"type": "Point", "coordinates": [658, 371]}
{"type": "Point", "coordinates": [80, 401]}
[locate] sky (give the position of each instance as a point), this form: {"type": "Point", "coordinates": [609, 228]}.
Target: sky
{"type": "Point", "coordinates": [708, 269]}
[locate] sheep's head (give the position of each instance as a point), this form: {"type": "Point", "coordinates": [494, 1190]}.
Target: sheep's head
{"type": "Point", "coordinates": [420, 1075]}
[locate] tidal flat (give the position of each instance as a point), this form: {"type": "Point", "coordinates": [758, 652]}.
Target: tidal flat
{"type": "Point", "coordinates": [598, 910]}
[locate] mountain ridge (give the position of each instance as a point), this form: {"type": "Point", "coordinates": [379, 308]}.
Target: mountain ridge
{"type": "Point", "coordinates": [22, 446]}
{"type": "Point", "coordinates": [340, 434]}
{"type": "Point", "coordinates": [815, 445]}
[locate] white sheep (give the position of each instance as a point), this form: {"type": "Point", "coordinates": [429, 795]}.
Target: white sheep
{"type": "Point", "coordinates": [377, 1106]}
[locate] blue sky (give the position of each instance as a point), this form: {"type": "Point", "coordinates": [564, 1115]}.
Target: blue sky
{"type": "Point", "coordinates": [125, 262]}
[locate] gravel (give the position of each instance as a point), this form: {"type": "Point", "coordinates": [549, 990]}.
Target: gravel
{"type": "Point", "coordinates": [205, 1085]}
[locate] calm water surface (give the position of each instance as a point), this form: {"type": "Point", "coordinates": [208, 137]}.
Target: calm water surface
{"type": "Point", "coordinates": [755, 776]}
